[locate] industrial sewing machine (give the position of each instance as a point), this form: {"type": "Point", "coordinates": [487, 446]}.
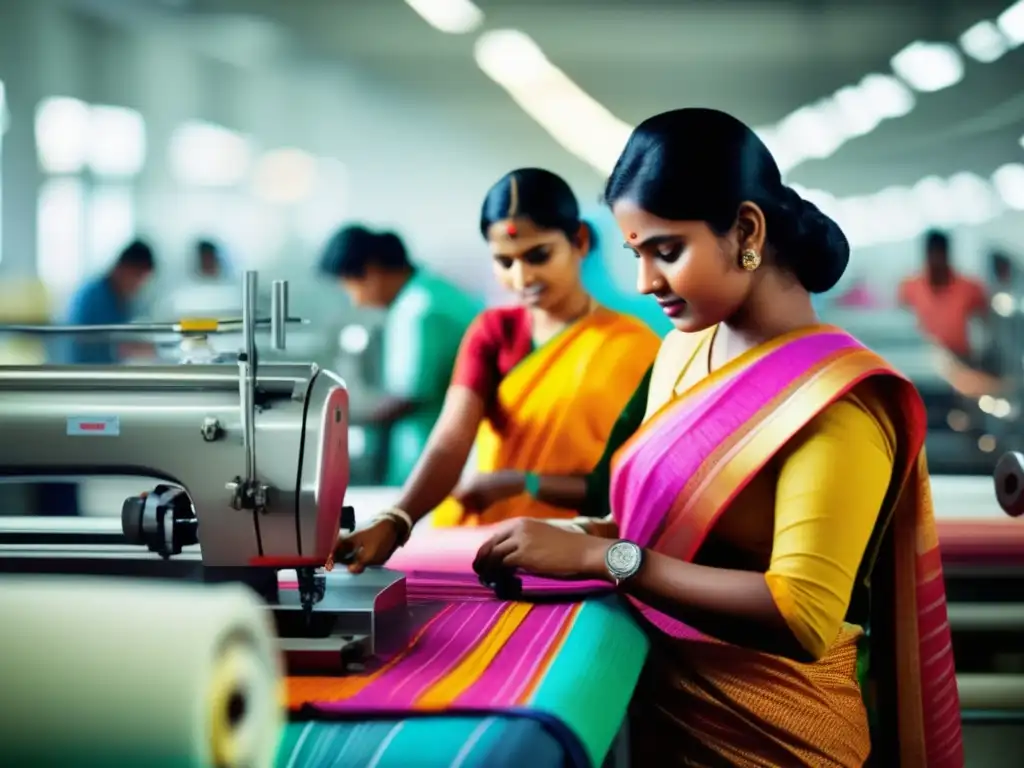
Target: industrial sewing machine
{"type": "Point", "coordinates": [252, 469]}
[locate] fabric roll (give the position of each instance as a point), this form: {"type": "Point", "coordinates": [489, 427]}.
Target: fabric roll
{"type": "Point", "coordinates": [105, 672]}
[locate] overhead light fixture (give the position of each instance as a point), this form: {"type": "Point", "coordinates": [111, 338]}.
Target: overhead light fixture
{"type": "Point", "coordinates": [285, 176]}
{"type": "Point", "coordinates": [4, 116]}
{"type": "Point", "coordinates": [117, 142]}
{"type": "Point", "coordinates": [818, 130]}
{"type": "Point", "coordinates": [899, 213]}
{"type": "Point", "coordinates": [929, 67]}
{"type": "Point", "coordinates": [1009, 182]}
{"type": "Point", "coordinates": [984, 42]}
{"type": "Point", "coordinates": [62, 134]}
{"type": "Point", "coordinates": [455, 17]}
{"type": "Point", "coordinates": [1011, 23]}
{"type": "Point", "coordinates": [207, 155]}
{"type": "Point", "coordinates": [925, 67]}
{"type": "Point", "coordinates": [568, 113]}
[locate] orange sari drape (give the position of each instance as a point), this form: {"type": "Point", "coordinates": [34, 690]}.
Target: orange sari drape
{"type": "Point", "coordinates": [558, 407]}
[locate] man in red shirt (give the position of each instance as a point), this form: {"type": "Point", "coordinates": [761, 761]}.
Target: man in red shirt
{"type": "Point", "coordinates": [944, 301]}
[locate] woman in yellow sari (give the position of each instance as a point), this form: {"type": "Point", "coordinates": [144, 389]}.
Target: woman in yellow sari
{"type": "Point", "coordinates": [777, 536]}
{"type": "Point", "coordinates": [537, 386]}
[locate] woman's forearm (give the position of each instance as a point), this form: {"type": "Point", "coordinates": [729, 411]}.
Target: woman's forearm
{"type": "Point", "coordinates": [565, 491]}
{"type": "Point", "coordinates": [734, 606]}
{"type": "Point", "coordinates": [435, 476]}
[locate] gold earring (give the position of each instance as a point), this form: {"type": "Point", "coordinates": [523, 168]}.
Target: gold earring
{"type": "Point", "coordinates": [750, 259]}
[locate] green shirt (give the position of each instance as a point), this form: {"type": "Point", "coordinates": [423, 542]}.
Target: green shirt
{"type": "Point", "coordinates": [422, 333]}
{"type": "Point", "coordinates": [598, 499]}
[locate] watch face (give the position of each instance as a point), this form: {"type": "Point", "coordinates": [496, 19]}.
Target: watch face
{"type": "Point", "coordinates": [623, 557]}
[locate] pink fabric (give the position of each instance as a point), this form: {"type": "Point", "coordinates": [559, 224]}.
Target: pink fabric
{"type": "Point", "coordinates": [647, 477]}
{"type": "Point", "coordinates": [444, 645]}
{"type": "Point", "coordinates": [438, 565]}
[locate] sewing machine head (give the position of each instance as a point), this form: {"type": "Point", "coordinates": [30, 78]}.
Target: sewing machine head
{"type": "Point", "coordinates": [252, 466]}
{"type": "Point", "coordinates": [252, 460]}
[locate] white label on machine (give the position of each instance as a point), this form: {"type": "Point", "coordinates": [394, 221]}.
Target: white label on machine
{"type": "Point", "coordinates": [94, 426]}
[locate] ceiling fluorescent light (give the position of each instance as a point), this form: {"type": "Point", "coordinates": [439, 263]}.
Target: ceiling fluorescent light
{"type": "Point", "coordinates": [886, 96]}
{"type": "Point", "coordinates": [973, 197]}
{"type": "Point", "coordinates": [896, 214]}
{"type": "Point", "coordinates": [1009, 182]}
{"type": "Point", "coordinates": [455, 17]}
{"type": "Point", "coordinates": [819, 130]}
{"type": "Point", "coordinates": [570, 115]}
{"type": "Point", "coordinates": [1011, 23]}
{"type": "Point", "coordinates": [929, 67]}
{"type": "Point", "coordinates": [984, 42]}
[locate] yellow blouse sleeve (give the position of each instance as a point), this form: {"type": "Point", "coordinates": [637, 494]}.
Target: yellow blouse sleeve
{"type": "Point", "coordinates": [833, 478]}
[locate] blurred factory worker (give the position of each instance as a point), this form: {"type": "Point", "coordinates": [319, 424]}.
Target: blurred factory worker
{"type": "Point", "coordinates": [209, 264]}
{"type": "Point", "coordinates": [778, 458]}
{"type": "Point", "coordinates": [104, 300]}
{"type": "Point", "coordinates": [1002, 270]}
{"type": "Point", "coordinates": [426, 317]}
{"type": "Point", "coordinates": [944, 301]}
{"type": "Point", "coordinates": [108, 300]}
{"type": "Point", "coordinates": [538, 386]}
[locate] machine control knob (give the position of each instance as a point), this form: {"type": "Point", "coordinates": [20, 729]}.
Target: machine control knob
{"type": "Point", "coordinates": [211, 429]}
{"type": "Point", "coordinates": [161, 520]}
{"type": "Point", "coordinates": [1009, 477]}
{"type": "Point", "coordinates": [132, 512]}
{"type": "Point", "coordinates": [348, 519]}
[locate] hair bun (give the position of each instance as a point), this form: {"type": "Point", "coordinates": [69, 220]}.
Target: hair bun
{"type": "Point", "coordinates": [816, 249]}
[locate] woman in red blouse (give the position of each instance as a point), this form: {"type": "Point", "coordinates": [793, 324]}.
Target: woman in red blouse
{"type": "Point", "coordinates": [537, 386]}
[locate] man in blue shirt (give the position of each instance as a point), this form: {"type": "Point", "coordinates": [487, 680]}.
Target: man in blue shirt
{"type": "Point", "coordinates": [104, 300]}
{"type": "Point", "coordinates": [107, 300]}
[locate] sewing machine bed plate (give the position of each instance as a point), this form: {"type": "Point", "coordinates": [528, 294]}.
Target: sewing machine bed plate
{"type": "Point", "coordinates": [359, 616]}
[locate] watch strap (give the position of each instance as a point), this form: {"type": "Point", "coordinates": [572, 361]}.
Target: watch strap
{"type": "Point", "coordinates": [531, 484]}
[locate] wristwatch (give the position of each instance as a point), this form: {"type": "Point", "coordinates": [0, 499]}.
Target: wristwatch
{"type": "Point", "coordinates": [623, 560]}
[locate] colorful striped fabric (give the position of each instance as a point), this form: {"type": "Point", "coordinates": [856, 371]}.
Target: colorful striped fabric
{"type": "Point", "coordinates": [485, 741]}
{"type": "Point", "coordinates": [572, 666]}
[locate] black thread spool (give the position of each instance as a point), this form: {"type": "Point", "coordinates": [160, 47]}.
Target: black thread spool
{"type": "Point", "coordinates": [1009, 478]}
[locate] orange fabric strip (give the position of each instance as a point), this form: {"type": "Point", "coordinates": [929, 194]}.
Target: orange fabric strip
{"type": "Point", "coordinates": [456, 682]}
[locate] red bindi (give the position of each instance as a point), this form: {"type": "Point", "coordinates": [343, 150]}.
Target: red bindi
{"type": "Point", "coordinates": [511, 230]}
{"type": "Point", "coordinates": [632, 235]}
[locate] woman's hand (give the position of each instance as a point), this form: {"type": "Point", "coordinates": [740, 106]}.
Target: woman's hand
{"type": "Point", "coordinates": [372, 544]}
{"type": "Point", "coordinates": [605, 529]}
{"type": "Point", "coordinates": [542, 549]}
{"type": "Point", "coordinates": [482, 491]}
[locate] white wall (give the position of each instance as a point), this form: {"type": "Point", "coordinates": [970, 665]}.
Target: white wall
{"type": "Point", "coordinates": [401, 161]}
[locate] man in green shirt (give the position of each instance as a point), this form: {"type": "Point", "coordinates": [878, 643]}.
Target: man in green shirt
{"type": "Point", "coordinates": [426, 319]}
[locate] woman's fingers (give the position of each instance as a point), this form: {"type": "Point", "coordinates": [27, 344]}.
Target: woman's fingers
{"type": "Point", "coordinates": [358, 560]}
{"type": "Point", "coordinates": [501, 551]}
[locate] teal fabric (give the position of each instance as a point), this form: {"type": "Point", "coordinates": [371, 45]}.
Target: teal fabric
{"type": "Point", "coordinates": [469, 742]}
{"type": "Point", "coordinates": [422, 332]}
{"type": "Point", "coordinates": [592, 681]}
